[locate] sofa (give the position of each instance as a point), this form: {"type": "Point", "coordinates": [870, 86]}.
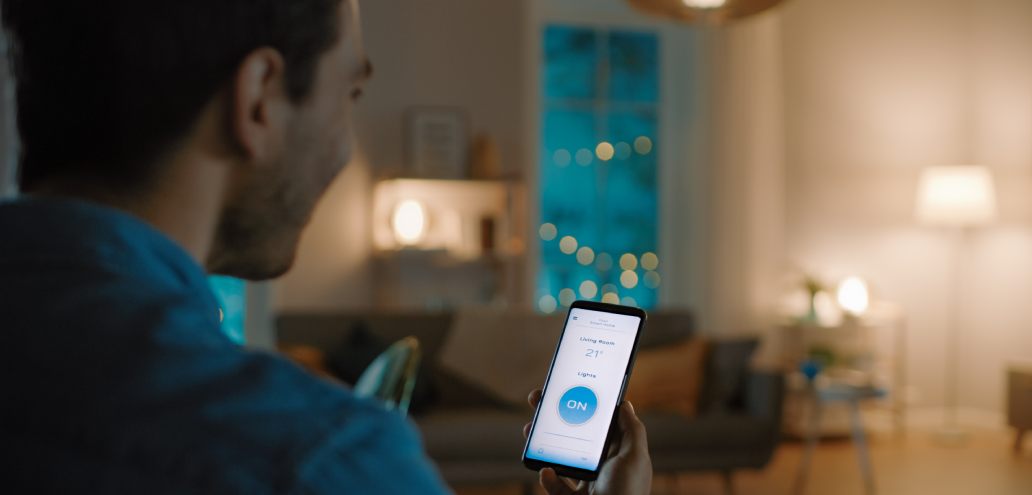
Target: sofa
{"type": "Point", "coordinates": [475, 438]}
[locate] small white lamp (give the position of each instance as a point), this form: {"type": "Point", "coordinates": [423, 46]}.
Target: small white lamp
{"type": "Point", "coordinates": [409, 222]}
{"type": "Point", "coordinates": [959, 198]}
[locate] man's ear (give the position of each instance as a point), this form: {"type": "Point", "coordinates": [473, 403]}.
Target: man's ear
{"type": "Point", "coordinates": [260, 106]}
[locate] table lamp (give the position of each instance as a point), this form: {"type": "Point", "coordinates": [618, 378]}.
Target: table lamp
{"type": "Point", "coordinates": [957, 198]}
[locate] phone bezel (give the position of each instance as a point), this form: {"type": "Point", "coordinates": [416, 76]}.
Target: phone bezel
{"type": "Point", "coordinates": [569, 471]}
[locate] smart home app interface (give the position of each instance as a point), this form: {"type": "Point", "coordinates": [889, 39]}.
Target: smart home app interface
{"type": "Point", "coordinates": [582, 389]}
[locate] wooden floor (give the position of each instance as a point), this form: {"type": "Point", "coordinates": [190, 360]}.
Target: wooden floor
{"type": "Point", "coordinates": [914, 464]}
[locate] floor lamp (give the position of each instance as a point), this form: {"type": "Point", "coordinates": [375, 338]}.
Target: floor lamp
{"type": "Point", "coordinates": [959, 199]}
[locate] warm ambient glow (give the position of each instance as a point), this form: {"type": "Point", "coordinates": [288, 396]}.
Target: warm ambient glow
{"type": "Point", "coordinates": [853, 296]}
{"type": "Point", "coordinates": [704, 4]}
{"type": "Point", "coordinates": [628, 261]}
{"type": "Point", "coordinates": [958, 196]}
{"type": "Point", "coordinates": [409, 222]}
{"type": "Point", "coordinates": [605, 151]}
{"type": "Point", "coordinates": [611, 298]}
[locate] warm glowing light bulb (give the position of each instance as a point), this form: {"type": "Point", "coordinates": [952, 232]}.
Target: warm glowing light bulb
{"type": "Point", "coordinates": [853, 296]}
{"type": "Point", "coordinates": [628, 261]}
{"type": "Point", "coordinates": [611, 298]}
{"type": "Point", "coordinates": [409, 222]}
{"type": "Point", "coordinates": [704, 4]}
{"type": "Point", "coordinates": [605, 151]}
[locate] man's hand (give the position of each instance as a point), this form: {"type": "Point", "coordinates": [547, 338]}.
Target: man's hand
{"type": "Point", "coordinates": [627, 471]}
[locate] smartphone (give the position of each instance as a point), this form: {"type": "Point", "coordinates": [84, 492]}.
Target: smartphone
{"type": "Point", "coordinates": [576, 417]}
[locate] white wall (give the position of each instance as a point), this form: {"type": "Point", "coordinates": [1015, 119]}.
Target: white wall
{"type": "Point", "coordinates": [876, 90]}
{"type": "Point", "coordinates": [462, 53]}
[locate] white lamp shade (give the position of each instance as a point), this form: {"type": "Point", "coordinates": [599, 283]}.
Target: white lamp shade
{"type": "Point", "coordinates": [956, 196]}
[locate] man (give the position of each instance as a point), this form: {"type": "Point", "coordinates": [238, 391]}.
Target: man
{"type": "Point", "coordinates": [160, 137]}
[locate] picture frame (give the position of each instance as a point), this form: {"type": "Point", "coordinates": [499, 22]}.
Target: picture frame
{"type": "Point", "coordinates": [438, 141]}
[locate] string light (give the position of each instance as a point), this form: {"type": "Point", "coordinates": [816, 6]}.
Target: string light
{"type": "Point", "coordinates": [548, 304]}
{"type": "Point", "coordinates": [548, 231]}
{"type": "Point", "coordinates": [650, 261]}
{"type": "Point", "coordinates": [585, 256]}
{"type": "Point", "coordinates": [588, 289]}
{"type": "Point", "coordinates": [629, 279]}
{"type": "Point", "coordinates": [643, 145]}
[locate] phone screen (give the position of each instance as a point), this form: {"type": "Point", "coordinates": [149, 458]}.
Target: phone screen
{"type": "Point", "coordinates": [583, 388]}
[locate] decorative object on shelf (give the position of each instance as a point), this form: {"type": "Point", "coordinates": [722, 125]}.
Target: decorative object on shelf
{"type": "Point", "coordinates": [958, 198]}
{"type": "Point", "coordinates": [485, 159]}
{"type": "Point", "coordinates": [1019, 401]}
{"type": "Point", "coordinates": [438, 142]}
{"type": "Point", "coordinates": [704, 11]}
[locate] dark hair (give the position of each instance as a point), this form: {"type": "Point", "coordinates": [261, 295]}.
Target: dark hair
{"type": "Point", "coordinates": [105, 87]}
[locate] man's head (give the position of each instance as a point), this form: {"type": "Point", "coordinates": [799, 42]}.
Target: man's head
{"type": "Point", "coordinates": [112, 93]}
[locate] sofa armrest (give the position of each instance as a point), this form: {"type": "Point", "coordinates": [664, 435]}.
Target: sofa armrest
{"type": "Point", "coordinates": [765, 394]}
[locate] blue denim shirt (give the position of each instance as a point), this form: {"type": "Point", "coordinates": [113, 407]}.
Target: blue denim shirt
{"type": "Point", "coordinates": [116, 378]}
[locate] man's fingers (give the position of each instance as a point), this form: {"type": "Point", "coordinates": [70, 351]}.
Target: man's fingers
{"type": "Point", "coordinates": [526, 430]}
{"type": "Point", "coordinates": [534, 398]}
{"type": "Point", "coordinates": [553, 484]}
{"type": "Point", "coordinates": [634, 437]}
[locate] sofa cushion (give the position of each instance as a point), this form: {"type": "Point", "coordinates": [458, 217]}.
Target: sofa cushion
{"type": "Point", "coordinates": [668, 378]}
{"type": "Point", "coordinates": [727, 365]}
{"type": "Point", "coordinates": [505, 353]}
{"type": "Point", "coordinates": [474, 434]}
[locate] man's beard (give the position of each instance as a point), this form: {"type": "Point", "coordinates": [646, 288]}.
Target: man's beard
{"type": "Point", "coordinates": [258, 231]}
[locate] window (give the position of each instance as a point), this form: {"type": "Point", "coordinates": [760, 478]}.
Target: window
{"type": "Point", "coordinates": [598, 167]}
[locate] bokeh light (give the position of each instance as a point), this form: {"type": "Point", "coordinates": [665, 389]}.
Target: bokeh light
{"type": "Point", "coordinates": [548, 231]}
{"type": "Point", "coordinates": [643, 145]}
{"type": "Point", "coordinates": [568, 244]}
{"type": "Point", "coordinates": [585, 256]}
{"type": "Point", "coordinates": [588, 289]}
{"type": "Point", "coordinates": [629, 279]}
{"type": "Point", "coordinates": [567, 297]}
{"type": "Point", "coordinates": [548, 304]}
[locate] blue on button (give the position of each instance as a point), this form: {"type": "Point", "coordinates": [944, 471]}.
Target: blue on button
{"type": "Point", "coordinates": [577, 405]}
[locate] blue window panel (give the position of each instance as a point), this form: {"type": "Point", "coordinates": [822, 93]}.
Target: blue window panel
{"type": "Point", "coordinates": [231, 294]}
{"type": "Point", "coordinates": [571, 63]}
{"type": "Point", "coordinates": [610, 206]}
{"type": "Point", "coordinates": [634, 67]}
